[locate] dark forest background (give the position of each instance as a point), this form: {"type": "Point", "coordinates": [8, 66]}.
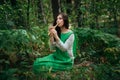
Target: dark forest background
{"type": "Point", "coordinates": [23, 38]}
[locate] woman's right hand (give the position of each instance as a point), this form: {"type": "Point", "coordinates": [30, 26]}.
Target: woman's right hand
{"type": "Point", "coordinates": [50, 33]}
{"type": "Point", "coordinates": [50, 30]}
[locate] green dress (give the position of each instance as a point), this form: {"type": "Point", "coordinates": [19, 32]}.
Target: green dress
{"type": "Point", "coordinates": [56, 61]}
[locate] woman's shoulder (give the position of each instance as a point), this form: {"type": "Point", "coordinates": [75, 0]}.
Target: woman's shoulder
{"type": "Point", "coordinates": [67, 32]}
{"type": "Point", "coordinates": [70, 32]}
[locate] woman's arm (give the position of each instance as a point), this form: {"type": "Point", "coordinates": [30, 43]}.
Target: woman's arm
{"type": "Point", "coordinates": [67, 45]}
{"type": "Point", "coordinates": [63, 46]}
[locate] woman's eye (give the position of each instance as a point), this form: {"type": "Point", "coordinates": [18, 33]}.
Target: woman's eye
{"type": "Point", "coordinates": [60, 18]}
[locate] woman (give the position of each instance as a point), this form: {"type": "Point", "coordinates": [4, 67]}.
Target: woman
{"type": "Point", "coordinates": [63, 39]}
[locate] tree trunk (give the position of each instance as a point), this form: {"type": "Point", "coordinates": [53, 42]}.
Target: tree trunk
{"type": "Point", "coordinates": [28, 7]}
{"type": "Point", "coordinates": [2, 2]}
{"type": "Point", "coordinates": [13, 3]}
{"type": "Point", "coordinates": [39, 11]}
{"type": "Point", "coordinates": [119, 28]}
{"type": "Point", "coordinates": [55, 8]}
{"type": "Point", "coordinates": [97, 14]}
{"type": "Point", "coordinates": [41, 16]}
{"type": "Point", "coordinates": [69, 3]}
{"type": "Point", "coordinates": [78, 12]}
{"type": "Point", "coordinates": [116, 22]}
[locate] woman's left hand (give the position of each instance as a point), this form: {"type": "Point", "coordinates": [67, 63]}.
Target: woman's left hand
{"type": "Point", "coordinates": [55, 34]}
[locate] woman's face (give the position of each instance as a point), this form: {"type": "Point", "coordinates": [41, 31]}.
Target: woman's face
{"type": "Point", "coordinates": [60, 20]}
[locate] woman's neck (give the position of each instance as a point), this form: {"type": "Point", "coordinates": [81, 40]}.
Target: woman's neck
{"type": "Point", "coordinates": [63, 30]}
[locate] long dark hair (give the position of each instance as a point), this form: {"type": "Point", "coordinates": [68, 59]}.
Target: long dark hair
{"type": "Point", "coordinates": [66, 23]}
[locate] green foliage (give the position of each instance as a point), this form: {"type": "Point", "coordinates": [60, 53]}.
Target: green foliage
{"type": "Point", "coordinates": [19, 48]}
{"type": "Point", "coordinates": [4, 10]}
{"type": "Point", "coordinates": [95, 45]}
{"type": "Point", "coordinates": [111, 30]}
{"type": "Point", "coordinates": [105, 72]}
{"type": "Point", "coordinates": [12, 16]}
{"type": "Point", "coordinates": [40, 33]}
{"type": "Point", "coordinates": [13, 47]}
{"type": "Point", "coordinates": [103, 50]}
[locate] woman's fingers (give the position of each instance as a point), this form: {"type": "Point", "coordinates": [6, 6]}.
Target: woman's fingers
{"type": "Point", "coordinates": [50, 27]}
{"type": "Point", "coordinates": [52, 30]}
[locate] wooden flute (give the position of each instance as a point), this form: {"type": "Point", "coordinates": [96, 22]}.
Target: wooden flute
{"type": "Point", "coordinates": [54, 28]}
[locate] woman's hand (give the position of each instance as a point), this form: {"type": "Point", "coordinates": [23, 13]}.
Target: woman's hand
{"type": "Point", "coordinates": [50, 34]}
{"type": "Point", "coordinates": [52, 27]}
{"type": "Point", "coordinates": [50, 31]}
{"type": "Point", "coordinates": [54, 32]}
